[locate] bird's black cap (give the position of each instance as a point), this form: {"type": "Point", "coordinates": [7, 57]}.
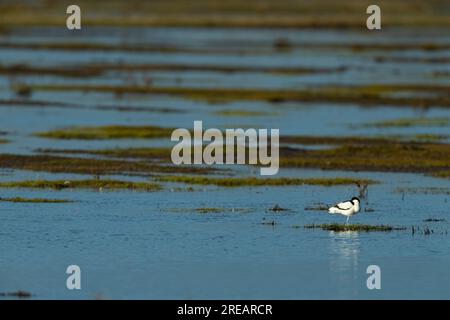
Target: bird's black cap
{"type": "Point", "coordinates": [355, 198]}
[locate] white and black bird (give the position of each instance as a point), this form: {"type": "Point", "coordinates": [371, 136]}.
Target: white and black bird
{"type": "Point", "coordinates": [346, 208]}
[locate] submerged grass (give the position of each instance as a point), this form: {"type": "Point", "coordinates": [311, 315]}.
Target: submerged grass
{"type": "Point", "coordinates": [433, 159]}
{"type": "Point", "coordinates": [49, 163]}
{"type": "Point", "coordinates": [233, 48]}
{"type": "Point", "coordinates": [411, 122]}
{"type": "Point", "coordinates": [209, 210]}
{"type": "Point", "coordinates": [343, 153]}
{"type": "Point", "coordinates": [255, 182]}
{"type": "Point", "coordinates": [428, 137]}
{"type": "Point", "coordinates": [242, 113]}
{"type": "Point", "coordinates": [108, 132]}
{"type": "Point", "coordinates": [91, 70]}
{"type": "Point", "coordinates": [136, 153]}
{"type": "Point", "coordinates": [164, 153]}
{"type": "Point", "coordinates": [82, 184]}
{"type": "Point", "coordinates": [353, 227]}
{"type": "Point", "coordinates": [424, 190]}
{"type": "Point", "coordinates": [206, 210]}
{"type": "Point", "coordinates": [74, 72]}
{"type": "Point", "coordinates": [22, 103]}
{"type": "Point", "coordinates": [35, 200]}
{"type": "Point", "coordinates": [372, 95]}
{"type": "Point", "coordinates": [441, 174]}
{"type": "Point", "coordinates": [336, 140]}
{"type": "Point", "coordinates": [434, 220]}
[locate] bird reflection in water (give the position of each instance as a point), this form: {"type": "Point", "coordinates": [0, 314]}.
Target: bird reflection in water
{"type": "Point", "coordinates": [344, 251]}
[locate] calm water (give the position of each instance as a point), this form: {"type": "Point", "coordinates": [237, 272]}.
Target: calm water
{"type": "Point", "coordinates": [155, 245]}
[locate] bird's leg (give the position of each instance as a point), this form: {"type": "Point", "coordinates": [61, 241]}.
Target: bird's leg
{"type": "Point", "coordinates": [347, 220]}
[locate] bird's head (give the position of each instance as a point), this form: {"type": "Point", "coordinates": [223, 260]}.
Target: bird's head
{"type": "Point", "coordinates": [355, 200]}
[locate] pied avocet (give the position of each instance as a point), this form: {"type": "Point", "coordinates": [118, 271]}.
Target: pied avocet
{"type": "Point", "coordinates": [346, 208]}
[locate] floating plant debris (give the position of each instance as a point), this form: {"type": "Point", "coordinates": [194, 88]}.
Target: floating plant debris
{"type": "Point", "coordinates": [268, 222]}
{"type": "Point", "coordinates": [16, 294]}
{"type": "Point", "coordinates": [277, 208]}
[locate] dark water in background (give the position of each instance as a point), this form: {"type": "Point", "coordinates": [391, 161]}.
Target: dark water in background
{"type": "Point", "coordinates": [155, 245]}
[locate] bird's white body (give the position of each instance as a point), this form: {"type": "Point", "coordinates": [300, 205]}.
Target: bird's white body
{"type": "Point", "coordinates": [346, 208]}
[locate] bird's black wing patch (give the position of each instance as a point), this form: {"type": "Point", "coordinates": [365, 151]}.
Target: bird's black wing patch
{"type": "Point", "coordinates": [344, 205]}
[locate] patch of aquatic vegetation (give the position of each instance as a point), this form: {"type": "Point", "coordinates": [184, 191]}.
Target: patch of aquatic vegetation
{"type": "Point", "coordinates": [347, 153]}
{"type": "Point", "coordinates": [90, 70]}
{"type": "Point", "coordinates": [82, 184]}
{"type": "Point", "coordinates": [108, 132]}
{"type": "Point", "coordinates": [267, 222]}
{"type": "Point", "coordinates": [22, 103]}
{"type": "Point", "coordinates": [207, 210]}
{"type": "Point", "coordinates": [353, 227]}
{"type": "Point", "coordinates": [49, 163]}
{"type": "Point", "coordinates": [433, 159]}
{"type": "Point", "coordinates": [3, 141]}
{"type": "Point", "coordinates": [441, 174]}
{"type": "Point", "coordinates": [372, 95]}
{"type": "Point", "coordinates": [242, 113]}
{"type": "Point", "coordinates": [36, 103]}
{"type": "Point", "coordinates": [277, 208]}
{"type": "Point", "coordinates": [279, 45]}
{"type": "Point", "coordinates": [74, 72]}
{"type": "Point", "coordinates": [228, 14]}
{"type": "Point", "coordinates": [410, 122]}
{"type": "Point", "coordinates": [138, 109]}
{"type": "Point", "coordinates": [424, 190]}
{"type": "Point", "coordinates": [16, 294]}
{"type": "Point", "coordinates": [426, 231]}
{"type": "Point", "coordinates": [144, 153]}
{"type": "Point", "coordinates": [164, 153]}
{"type": "Point", "coordinates": [179, 189]}
{"type": "Point", "coordinates": [255, 182]}
{"type": "Point", "coordinates": [336, 140]}
{"type": "Point", "coordinates": [427, 137]}
{"type": "Point", "coordinates": [34, 200]}
{"type": "Point", "coordinates": [434, 220]}
{"type": "Point", "coordinates": [405, 59]}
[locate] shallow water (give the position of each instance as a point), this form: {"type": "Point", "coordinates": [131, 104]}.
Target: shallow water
{"type": "Point", "coordinates": [155, 245]}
